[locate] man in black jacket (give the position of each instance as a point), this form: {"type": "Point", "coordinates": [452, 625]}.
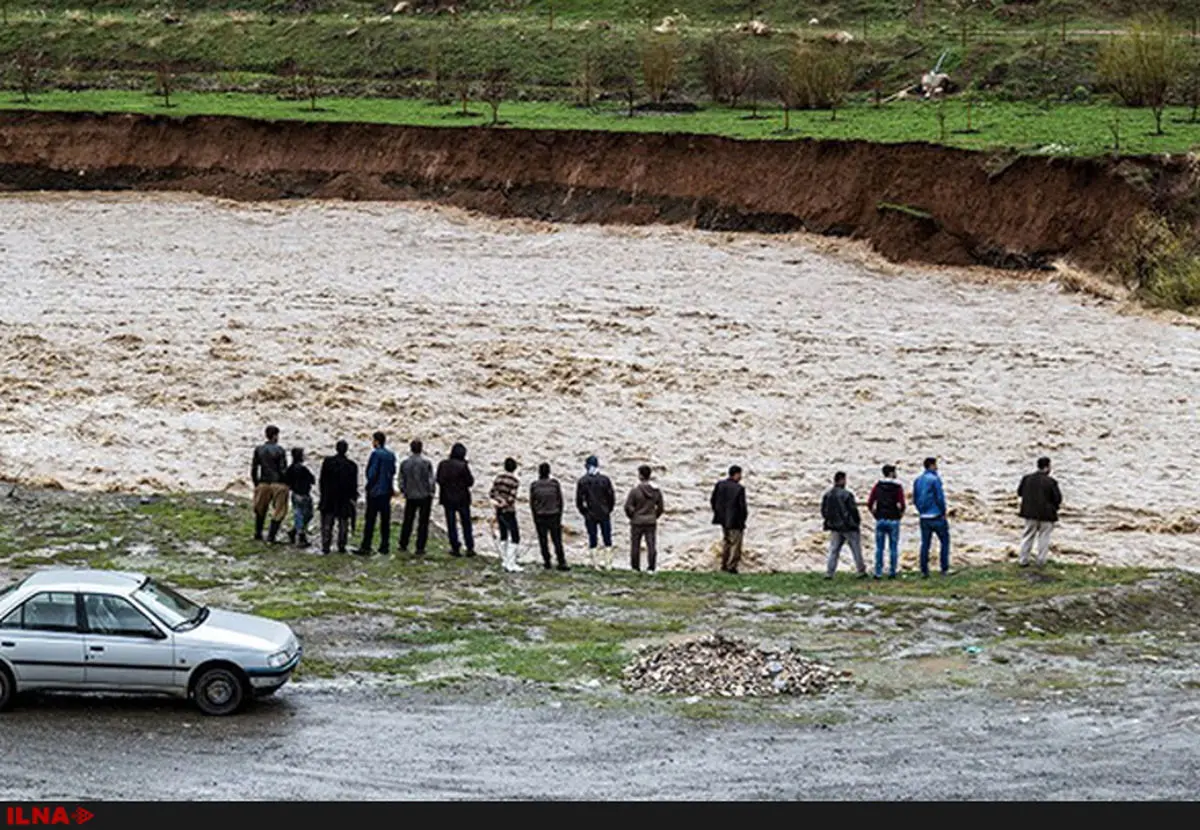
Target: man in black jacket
{"type": "Point", "coordinates": [729, 511]}
{"type": "Point", "coordinates": [267, 469]}
{"type": "Point", "coordinates": [595, 500]}
{"type": "Point", "coordinates": [1040, 501]}
{"type": "Point", "coordinates": [454, 483]}
{"type": "Point", "coordinates": [840, 512]}
{"type": "Point", "coordinates": [546, 502]}
{"type": "Point", "coordinates": [339, 494]}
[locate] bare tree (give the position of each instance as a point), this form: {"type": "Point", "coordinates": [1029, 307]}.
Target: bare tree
{"type": "Point", "coordinates": [27, 67]}
{"type": "Point", "coordinates": [311, 87]}
{"type": "Point", "coordinates": [660, 65]}
{"type": "Point", "coordinates": [820, 77]}
{"type": "Point", "coordinates": [1141, 66]}
{"type": "Point", "coordinates": [289, 70]}
{"type": "Point", "coordinates": [165, 76]}
{"type": "Point", "coordinates": [588, 77]}
{"type": "Point", "coordinates": [495, 89]}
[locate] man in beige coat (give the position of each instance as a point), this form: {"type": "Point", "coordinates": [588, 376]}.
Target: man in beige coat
{"type": "Point", "coordinates": [643, 506]}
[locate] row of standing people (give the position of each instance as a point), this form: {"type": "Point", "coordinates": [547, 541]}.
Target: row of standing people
{"type": "Point", "coordinates": [1040, 501]}
{"type": "Point", "coordinates": [274, 480]}
{"type": "Point", "coordinates": [595, 500]}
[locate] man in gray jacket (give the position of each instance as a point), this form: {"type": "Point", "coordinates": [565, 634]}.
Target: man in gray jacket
{"type": "Point", "coordinates": [546, 502]}
{"type": "Point", "coordinates": [417, 486]}
{"type": "Point", "coordinates": [840, 512]}
{"type": "Point", "coordinates": [643, 506]}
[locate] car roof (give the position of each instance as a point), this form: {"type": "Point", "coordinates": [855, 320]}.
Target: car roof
{"type": "Point", "coordinates": [68, 579]}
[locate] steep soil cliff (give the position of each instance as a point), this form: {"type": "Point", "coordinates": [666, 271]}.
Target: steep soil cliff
{"type": "Point", "coordinates": [913, 201]}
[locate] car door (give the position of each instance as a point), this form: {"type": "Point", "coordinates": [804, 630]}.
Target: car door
{"type": "Point", "coordinates": [43, 641]}
{"type": "Point", "coordinates": [124, 648]}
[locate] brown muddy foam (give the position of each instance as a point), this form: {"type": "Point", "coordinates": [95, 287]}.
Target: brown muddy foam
{"type": "Point", "coordinates": [148, 338]}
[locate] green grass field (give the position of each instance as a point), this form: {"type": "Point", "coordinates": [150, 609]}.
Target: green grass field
{"type": "Point", "coordinates": [1067, 129]}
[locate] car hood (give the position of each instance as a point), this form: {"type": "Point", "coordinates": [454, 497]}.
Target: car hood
{"type": "Point", "coordinates": [234, 630]}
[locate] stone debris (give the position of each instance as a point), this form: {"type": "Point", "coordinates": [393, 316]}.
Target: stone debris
{"type": "Point", "coordinates": [718, 666]}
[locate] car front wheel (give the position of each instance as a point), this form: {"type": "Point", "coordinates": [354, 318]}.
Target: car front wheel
{"type": "Point", "coordinates": [219, 691]}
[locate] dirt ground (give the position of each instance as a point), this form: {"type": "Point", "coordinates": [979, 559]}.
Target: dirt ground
{"type": "Point", "coordinates": [365, 745]}
{"type": "Point", "coordinates": [146, 339]}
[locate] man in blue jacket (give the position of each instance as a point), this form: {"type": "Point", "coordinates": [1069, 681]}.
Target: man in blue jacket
{"type": "Point", "coordinates": [930, 500]}
{"type": "Point", "coordinates": [381, 480]}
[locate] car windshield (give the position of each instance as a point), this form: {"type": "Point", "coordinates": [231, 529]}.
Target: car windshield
{"type": "Point", "coordinates": [169, 606]}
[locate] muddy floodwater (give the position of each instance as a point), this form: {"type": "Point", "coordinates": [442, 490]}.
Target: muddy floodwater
{"type": "Point", "coordinates": [146, 339]}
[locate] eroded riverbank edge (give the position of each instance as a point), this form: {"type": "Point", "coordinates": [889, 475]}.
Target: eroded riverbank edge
{"type": "Point", "coordinates": [918, 202]}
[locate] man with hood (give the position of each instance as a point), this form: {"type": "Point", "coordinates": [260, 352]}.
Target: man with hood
{"type": "Point", "coordinates": [643, 507]}
{"type": "Point", "coordinates": [381, 487]}
{"type": "Point", "coordinates": [268, 470]}
{"type": "Point", "coordinates": [454, 482]}
{"type": "Point", "coordinates": [546, 502]}
{"type": "Point", "coordinates": [595, 500]}
{"type": "Point", "coordinates": [417, 486]}
{"type": "Point", "coordinates": [840, 512]}
{"type": "Point", "coordinates": [729, 511]}
{"type": "Point", "coordinates": [339, 494]}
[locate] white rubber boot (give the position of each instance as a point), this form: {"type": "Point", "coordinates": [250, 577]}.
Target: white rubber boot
{"type": "Point", "coordinates": [510, 557]}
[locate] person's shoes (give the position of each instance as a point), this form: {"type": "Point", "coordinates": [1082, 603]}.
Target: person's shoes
{"type": "Point", "coordinates": [733, 570]}
{"type": "Point", "coordinates": [862, 575]}
{"type": "Point", "coordinates": [302, 541]}
{"type": "Point", "coordinates": [829, 576]}
{"type": "Point", "coordinates": [272, 532]}
{"type": "Point", "coordinates": [563, 566]}
{"type": "Point", "coordinates": [402, 551]}
{"type": "Point", "coordinates": [419, 553]}
{"type": "Point", "coordinates": [259, 521]}
{"type": "Point", "coordinates": [324, 551]}
{"type": "Point", "coordinates": [879, 576]}
{"type": "Point", "coordinates": [382, 552]}
{"type": "Point", "coordinates": [891, 576]}
{"type": "Point", "coordinates": [924, 574]}
{"type": "Point", "coordinates": [291, 536]}
{"type": "Point", "coordinates": [341, 550]}
{"type": "Point", "coordinates": [470, 552]}
{"type": "Point", "coordinates": [948, 572]}
{"type": "Point", "coordinates": [361, 552]}
{"type": "Point", "coordinates": [1022, 564]}
{"type": "Point", "coordinates": [456, 553]}
{"type": "Point", "coordinates": [546, 566]}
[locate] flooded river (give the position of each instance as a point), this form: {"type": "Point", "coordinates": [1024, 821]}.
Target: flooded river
{"type": "Point", "coordinates": [147, 339]}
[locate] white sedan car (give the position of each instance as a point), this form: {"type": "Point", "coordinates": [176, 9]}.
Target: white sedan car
{"type": "Point", "coordinates": [79, 630]}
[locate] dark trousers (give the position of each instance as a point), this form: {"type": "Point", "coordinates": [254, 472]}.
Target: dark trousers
{"type": "Point", "coordinates": [418, 509]}
{"type": "Point", "coordinates": [453, 514]}
{"type": "Point", "coordinates": [602, 525]}
{"type": "Point", "coordinates": [508, 526]}
{"type": "Point", "coordinates": [343, 527]}
{"type": "Point", "coordinates": [941, 529]}
{"type": "Point", "coordinates": [549, 528]}
{"type": "Point", "coordinates": [381, 507]}
{"type": "Point", "coordinates": [636, 534]}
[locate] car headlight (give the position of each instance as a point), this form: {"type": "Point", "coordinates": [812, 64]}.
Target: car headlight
{"type": "Point", "coordinates": [278, 659]}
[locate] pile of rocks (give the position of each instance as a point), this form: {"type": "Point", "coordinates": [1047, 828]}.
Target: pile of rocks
{"type": "Point", "coordinates": [717, 666]}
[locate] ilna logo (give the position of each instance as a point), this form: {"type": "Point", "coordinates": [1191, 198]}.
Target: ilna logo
{"type": "Point", "coordinates": [46, 815]}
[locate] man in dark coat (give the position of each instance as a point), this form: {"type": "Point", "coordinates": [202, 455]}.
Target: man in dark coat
{"type": "Point", "coordinates": [595, 500]}
{"type": "Point", "coordinates": [840, 512]}
{"type": "Point", "coordinates": [546, 503]}
{"type": "Point", "coordinates": [381, 487]}
{"type": "Point", "coordinates": [1040, 501]}
{"type": "Point", "coordinates": [729, 511]}
{"type": "Point", "coordinates": [644, 507]}
{"type": "Point", "coordinates": [454, 483]}
{"type": "Point", "coordinates": [338, 496]}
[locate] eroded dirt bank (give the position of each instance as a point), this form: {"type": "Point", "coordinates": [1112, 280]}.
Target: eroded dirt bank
{"type": "Point", "coordinates": [912, 201]}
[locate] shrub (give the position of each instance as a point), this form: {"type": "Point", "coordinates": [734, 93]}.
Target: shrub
{"type": "Point", "coordinates": [1161, 265]}
{"type": "Point", "coordinates": [817, 78]}
{"type": "Point", "coordinates": [660, 65]}
{"type": "Point", "coordinates": [1142, 65]}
